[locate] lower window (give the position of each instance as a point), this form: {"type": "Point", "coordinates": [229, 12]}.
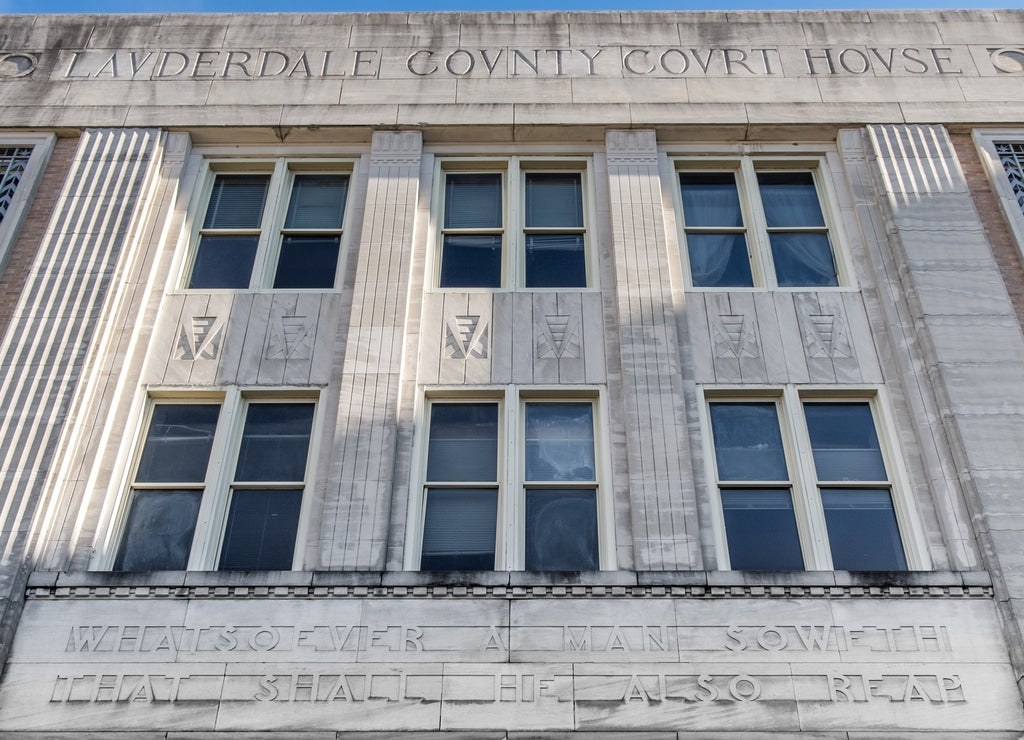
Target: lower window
{"type": "Point", "coordinates": [533, 504]}
{"type": "Point", "coordinates": [251, 501]}
{"type": "Point", "coordinates": [804, 483]}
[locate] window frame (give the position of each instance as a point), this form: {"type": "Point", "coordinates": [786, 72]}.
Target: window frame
{"type": "Point", "coordinates": [42, 147]}
{"type": "Point", "coordinates": [808, 508]}
{"type": "Point", "coordinates": [218, 485]}
{"type": "Point", "coordinates": [271, 232]}
{"type": "Point", "coordinates": [985, 141]}
{"type": "Point", "coordinates": [510, 546]}
{"type": "Point", "coordinates": [513, 170]}
{"type": "Point", "coordinates": [746, 166]}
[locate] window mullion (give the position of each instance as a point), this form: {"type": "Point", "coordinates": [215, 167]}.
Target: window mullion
{"type": "Point", "coordinates": [757, 226]}
{"type": "Point", "coordinates": [270, 239]}
{"type": "Point", "coordinates": [210, 524]}
{"type": "Point", "coordinates": [806, 498]}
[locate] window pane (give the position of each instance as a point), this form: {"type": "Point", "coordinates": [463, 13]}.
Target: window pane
{"type": "Point", "coordinates": [317, 202]}
{"type": "Point", "coordinates": [803, 259]}
{"type": "Point", "coordinates": [471, 261]}
{"type": "Point", "coordinates": [560, 442]}
{"type": "Point", "coordinates": [307, 262]}
{"type": "Point", "coordinates": [790, 199]}
{"type": "Point", "coordinates": [555, 261]}
{"type": "Point", "coordinates": [463, 442]}
{"type": "Point", "coordinates": [862, 530]}
{"type": "Point", "coordinates": [237, 202]}
{"type": "Point", "coordinates": [748, 443]}
{"type": "Point", "coordinates": [844, 441]}
{"type": "Point", "coordinates": [761, 530]}
{"type": "Point", "coordinates": [158, 533]}
{"type": "Point", "coordinates": [224, 262]}
{"type": "Point", "coordinates": [459, 529]}
{"type": "Point", "coordinates": [178, 443]}
{"type": "Point", "coordinates": [472, 201]}
{"type": "Point", "coordinates": [260, 533]}
{"type": "Point", "coordinates": [554, 199]}
{"type": "Point", "coordinates": [719, 260]}
{"type": "Point", "coordinates": [561, 530]}
{"type": "Point", "coordinates": [275, 442]}
{"type": "Point", "coordinates": [710, 199]}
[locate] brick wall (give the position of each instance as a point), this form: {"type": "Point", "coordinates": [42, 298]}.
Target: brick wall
{"type": "Point", "coordinates": [33, 228]}
{"type": "Point", "coordinates": [996, 230]}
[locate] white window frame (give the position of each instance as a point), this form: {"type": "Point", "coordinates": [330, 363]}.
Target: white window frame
{"type": "Point", "coordinates": [513, 170]}
{"type": "Point", "coordinates": [807, 503]}
{"type": "Point", "coordinates": [745, 165]}
{"type": "Point", "coordinates": [510, 547]}
{"type": "Point", "coordinates": [42, 147]}
{"type": "Point", "coordinates": [282, 172]}
{"type": "Point", "coordinates": [207, 540]}
{"type": "Point", "coordinates": [985, 141]}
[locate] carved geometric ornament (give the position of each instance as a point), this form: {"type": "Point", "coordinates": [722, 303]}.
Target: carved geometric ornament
{"type": "Point", "coordinates": [200, 338]}
{"type": "Point", "coordinates": [291, 338]}
{"type": "Point", "coordinates": [559, 338]}
{"type": "Point", "coordinates": [734, 337]}
{"type": "Point", "coordinates": [827, 336]}
{"type": "Point", "coordinates": [465, 337]}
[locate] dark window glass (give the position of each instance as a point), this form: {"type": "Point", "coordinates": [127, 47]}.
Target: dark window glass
{"type": "Point", "coordinates": [790, 199]}
{"type": "Point", "coordinates": [803, 259]}
{"type": "Point", "coordinates": [560, 442]}
{"type": "Point", "coordinates": [158, 533]}
{"type": "Point", "coordinates": [555, 261]}
{"type": "Point", "coordinates": [463, 442]}
{"type": "Point", "coordinates": [275, 442]}
{"type": "Point", "coordinates": [719, 260]}
{"type": "Point", "coordinates": [710, 199]}
{"type": "Point", "coordinates": [561, 530]}
{"type": "Point", "coordinates": [718, 254]}
{"type": "Point", "coordinates": [554, 199]}
{"type": "Point", "coordinates": [260, 531]}
{"type": "Point", "coordinates": [459, 529]}
{"type": "Point", "coordinates": [471, 261]}
{"type": "Point", "coordinates": [473, 201]}
{"type": "Point", "coordinates": [178, 443]}
{"type": "Point", "coordinates": [862, 529]}
{"type": "Point", "coordinates": [237, 202]}
{"type": "Point", "coordinates": [307, 262]}
{"type": "Point", "coordinates": [224, 262]}
{"type": "Point", "coordinates": [761, 529]}
{"type": "Point", "coordinates": [748, 443]}
{"type": "Point", "coordinates": [317, 202]}
{"type": "Point", "coordinates": [844, 442]}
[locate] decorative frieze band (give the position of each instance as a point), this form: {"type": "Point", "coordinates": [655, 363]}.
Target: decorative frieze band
{"type": "Point", "coordinates": [510, 592]}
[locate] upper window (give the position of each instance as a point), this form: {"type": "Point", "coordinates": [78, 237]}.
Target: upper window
{"type": "Point", "coordinates": [192, 506]}
{"type": "Point", "coordinates": [1011, 155]}
{"type": "Point", "coordinates": [785, 509]}
{"type": "Point", "coordinates": [23, 157]}
{"type": "Point", "coordinates": [13, 160]}
{"type": "Point", "coordinates": [746, 225]}
{"type": "Point", "coordinates": [545, 247]}
{"type": "Point", "coordinates": [534, 506]}
{"type": "Point", "coordinates": [281, 228]}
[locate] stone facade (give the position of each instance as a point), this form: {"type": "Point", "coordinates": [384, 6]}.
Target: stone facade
{"type": "Point", "coordinates": [512, 375]}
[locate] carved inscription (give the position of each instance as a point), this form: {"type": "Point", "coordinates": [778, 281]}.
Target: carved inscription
{"type": "Point", "coordinates": [241, 638]}
{"type": "Point", "coordinates": [822, 637]}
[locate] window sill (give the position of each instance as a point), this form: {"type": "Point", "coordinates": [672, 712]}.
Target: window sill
{"type": "Point", "coordinates": [523, 579]}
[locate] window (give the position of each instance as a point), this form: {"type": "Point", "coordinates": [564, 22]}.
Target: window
{"type": "Point", "coordinates": [784, 509]}
{"type": "Point", "coordinates": [536, 506]}
{"type": "Point", "coordinates": [255, 498]}
{"type": "Point", "coordinates": [751, 223]}
{"type": "Point", "coordinates": [23, 157]}
{"type": "Point", "coordinates": [547, 248]}
{"type": "Point", "coordinates": [1011, 156]}
{"type": "Point", "coordinates": [279, 228]}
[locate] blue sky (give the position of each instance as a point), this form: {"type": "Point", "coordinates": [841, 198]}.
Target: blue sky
{"type": "Point", "coordinates": [237, 6]}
